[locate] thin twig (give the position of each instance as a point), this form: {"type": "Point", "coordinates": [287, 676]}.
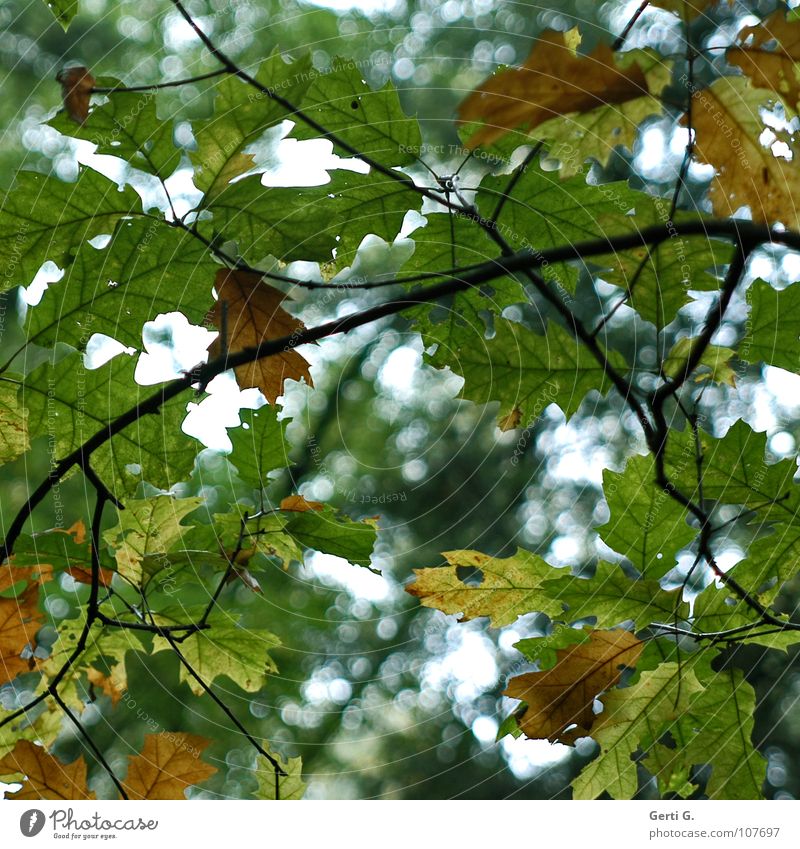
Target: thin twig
{"type": "Point", "coordinates": [91, 744]}
{"type": "Point", "coordinates": [620, 39]}
{"type": "Point", "coordinates": [225, 709]}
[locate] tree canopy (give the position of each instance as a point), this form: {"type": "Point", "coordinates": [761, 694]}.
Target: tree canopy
{"type": "Point", "coordinates": [556, 331]}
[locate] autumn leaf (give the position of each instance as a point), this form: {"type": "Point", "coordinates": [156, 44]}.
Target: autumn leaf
{"type": "Point", "coordinates": [20, 618]}
{"type": "Point", "coordinates": [771, 68]}
{"type": "Point", "coordinates": [727, 122]}
{"type": "Point", "coordinates": [45, 777]}
{"type": "Point", "coordinates": [509, 586]}
{"type": "Point", "coordinates": [298, 504]}
{"type": "Point", "coordinates": [168, 764]}
{"type": "Point", "coordinates": [554, 80]}
{"type": "Point", "coordinates": [563, 696]}
{"type": "Point", "coordinates": [106, 684]}
{"type": "Point", "coordinates": [248, 313]}
{"type": "Point", "coordinates": [76, 89]}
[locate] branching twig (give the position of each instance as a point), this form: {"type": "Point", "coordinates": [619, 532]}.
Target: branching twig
{"type": "Point", "coordinates": [92, 745]}
{"type": "Point", "coordinates": [229, 713]}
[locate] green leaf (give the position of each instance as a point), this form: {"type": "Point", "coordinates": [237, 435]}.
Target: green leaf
{"type": "Point", "coordinates": [43, 218]}
{"type": "Point", "coordinates": [326, 531]}
{"type": "Point", "coordinates": [13, 423]}
{"type": "Point", "coordinates": [717, 729]}
{"type": "Point", "coordinates": [241, 114]}
{"type": "Point", "coordinates": [658, 280]}
{"type": "Point", "coordinates": [291, 785]}
{"type": "Point", "coordinates": [63, 10]}
{"type": "Point", "coordinates": [714, 359]}
{"type": "Point", "coordinates": [105, 649]}
{"type": "Point", "coordinates": [646, 525]}
{"type": "Point", "coordinates": [58, 547]}
{"type": "Point", "coordinates": [446, 242]}
{"type": "Point", "coordinates": [147, 269]}
{"type": "Point", "coordinates": [128, 127]}
{"type": "Point", "coordinates": [265, 535]}
{"type": "Point", "coordinates": [69, 404]}
{"type": "Point", "coordinates": [633, 715]}
{"type": "Point", "coordinates": [673, 776]}
{"type": "Point", "coordinates": [542, 650]}
{"type": "Point", "coordinates": [371, 121]}
{"type": "Point", "coordinates": [148, 526]}
{"type": "Point", "coordinates": [738, 470]}
{"type": "Point", "coordinates": [308, 223]}
{"type": "Point", "coordinates": [612, 598]}
{"type": "Point", "coordinates": [546, 212]}
{"type": "Point", "coordinates": [772, 329]}
{"type": "Point", "coordinates": [40, 726]}
{"type": "Point", "coordinates": [259, 445]}
{"type": "Point", "coordinates": [524, 371]}
{"type": "Point", "coordinates": [224, 648]}
{"type": "Point", "coordinates": [716, 609]}
{"type": "Point", "coordinates": [475, 584]}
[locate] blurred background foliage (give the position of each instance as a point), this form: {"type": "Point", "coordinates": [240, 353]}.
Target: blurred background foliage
{"type": "Point", "coordinates": [380, 697]}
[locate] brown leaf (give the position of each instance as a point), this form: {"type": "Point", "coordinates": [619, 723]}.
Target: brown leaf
{"type": "Point", "coordinates": [168, 764]}
{"type": "Point", "coordinates": [84, 576]}
{"type": "Point", "coordinates": [510, 421]}
{"type": "Point", "coordinates": [563, 696]}
{"type": "Point", "coordinates": [45, 777]}
{"type": "Point", "coordinates": [248, 313]}
{"type": "Point", "coordinates": [774, 68]}
{"type": "Point", "coordinates": [298, 504]}
{"type": "Point", "coordinates": [76, 89]}
{"type": "Point", "coordinates": [104, 683]}
{"type": "Point", "coordinates": [554, 80]}
{"type": "Point", "coordinates": [728, 126]}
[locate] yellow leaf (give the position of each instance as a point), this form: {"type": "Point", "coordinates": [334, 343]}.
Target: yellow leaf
{"type": "Point", "coordinates": [168, 764]}
{"type": "Point", "coordinates": [43, 776]}
{"type": "Point", "coordinates": [564, 695]}
{"type": "Point", "coordinates": [509, 586]}
{"type": "Point", "coordinates": [248, 313]}
{"type": "Point", "coordinates": [554, 80]}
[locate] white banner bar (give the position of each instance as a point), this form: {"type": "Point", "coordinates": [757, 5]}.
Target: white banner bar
{"type": "Point", "coordinates": [417, 824]}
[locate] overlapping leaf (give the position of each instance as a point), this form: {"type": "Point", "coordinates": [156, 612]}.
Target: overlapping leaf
{"type": "Point", "coordinates": [167, 766]}
{"type": "Point", "coordinates": [248, 313]}
{"type": "Point", "coordinates": [554, 80]}
{"type": "Point", "coordinates": [502, 589]}
{"type": "Point", "coordinates": [560, 700]}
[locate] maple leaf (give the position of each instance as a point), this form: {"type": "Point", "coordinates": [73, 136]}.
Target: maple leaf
{"type": "Point", "coordinates": [45, 777]}
{"type": "Point", "coordinates": [76, 89]}
{"type": "Point", "coordinates": [248, 313]}
{"type": "Point", "coordinates": [554, 80]}
{"type": "Point", "coordinates": [20, 618]}
{"type": "Point", "coordinates": [563, 696]}
{"type": "Point", "coordinates": [775, 69]}
{"type": "Point", "coordinates": [168, 763]}
{"type": "Point", "coordinates": [728, 125]}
